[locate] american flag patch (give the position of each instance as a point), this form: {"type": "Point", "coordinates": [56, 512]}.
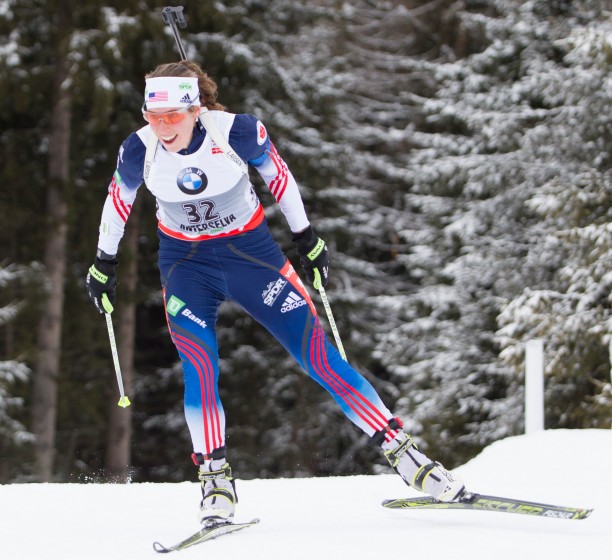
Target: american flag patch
{"type": "Point", "coordinates": [158, 96]}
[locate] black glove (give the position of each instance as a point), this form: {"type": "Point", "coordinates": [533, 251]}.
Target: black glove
{"type": "Point", "coordinates": [102, 281]}
{"type": "Point", "coordinates": [313, 256]}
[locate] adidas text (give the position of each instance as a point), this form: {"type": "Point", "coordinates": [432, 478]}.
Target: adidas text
{"type": "Point", "coordinates": [292, 301]}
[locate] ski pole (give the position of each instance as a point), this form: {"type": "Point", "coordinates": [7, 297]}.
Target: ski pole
{"type": "Point", "coordinates": [173, 16]}
{"type": "Point", "coordinates": [123, 401]}
{"type": "Point", "coordinates": [332, 322]}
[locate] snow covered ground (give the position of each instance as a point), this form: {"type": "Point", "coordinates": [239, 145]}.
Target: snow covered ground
{"type": "Point", "coordinates": [333, 518]}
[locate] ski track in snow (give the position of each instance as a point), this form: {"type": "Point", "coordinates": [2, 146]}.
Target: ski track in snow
{"type": "Point", "coordinates": [332, 518]}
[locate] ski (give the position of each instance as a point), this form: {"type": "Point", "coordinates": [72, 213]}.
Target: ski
{"type": "Point", "coordinates": [482, 502]}
{"type": "Point", "coordinates": [206, 534]}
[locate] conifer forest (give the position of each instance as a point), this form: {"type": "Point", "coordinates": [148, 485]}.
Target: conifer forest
{"type": "Point", "coordinates": [455, 156]}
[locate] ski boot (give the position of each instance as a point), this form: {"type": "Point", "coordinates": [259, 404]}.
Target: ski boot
{"type": "Point", "coordinates": [420, 472]}
{"type": "Point", "coordinates": [218, 492]}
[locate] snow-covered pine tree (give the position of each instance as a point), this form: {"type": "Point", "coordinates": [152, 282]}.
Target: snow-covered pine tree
{"type": "Point", "coordinates": [504, 128]}
{"type": "Point", "coordinates": [570, 307]}
{"type": "Point", "coordinates": [13, 371]}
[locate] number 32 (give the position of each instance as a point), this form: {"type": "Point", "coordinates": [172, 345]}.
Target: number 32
{"type": "Point", "coordinates": [203, 211]}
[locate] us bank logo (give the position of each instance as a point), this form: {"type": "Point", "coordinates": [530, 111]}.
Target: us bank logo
{"type": "Point", "coordinates": [192, 180]}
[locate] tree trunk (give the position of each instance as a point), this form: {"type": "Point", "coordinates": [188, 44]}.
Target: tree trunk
{"type": "Point", "coordinates": [49, 335]}
{"type": "Point", "coordinates": [119, 434]}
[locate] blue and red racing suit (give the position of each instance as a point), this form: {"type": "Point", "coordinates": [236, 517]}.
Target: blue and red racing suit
{"type": "Point", "coordinates": [215, 245]}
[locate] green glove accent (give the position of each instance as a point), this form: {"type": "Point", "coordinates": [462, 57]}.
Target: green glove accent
{"type": "Point", "coordinates": [99, 276]}
{"type": "Point", "coordinates": [316, 250]}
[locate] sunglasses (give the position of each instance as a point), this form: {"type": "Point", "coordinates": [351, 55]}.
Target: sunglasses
{"type": "Point", "coordinates": [171, 117]}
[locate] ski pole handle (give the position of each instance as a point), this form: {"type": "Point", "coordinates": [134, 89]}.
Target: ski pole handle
{"type": "Point", "coordinates": [332, 322]}
{"type": "Point", "coordinates": [123, 401]}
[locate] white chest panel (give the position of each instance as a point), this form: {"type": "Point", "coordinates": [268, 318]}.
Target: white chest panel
{"type": "Point", "coordinates": [203, 193]}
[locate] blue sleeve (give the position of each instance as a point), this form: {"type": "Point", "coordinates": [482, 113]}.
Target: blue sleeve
{"type": "Point", "coordinates": [249, 138]}
{"type": "Point", "coordinates": [130, 161]}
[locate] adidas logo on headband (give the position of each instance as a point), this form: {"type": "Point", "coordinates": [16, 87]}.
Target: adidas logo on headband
{"type": "Point", "coordinates": [172, 91]}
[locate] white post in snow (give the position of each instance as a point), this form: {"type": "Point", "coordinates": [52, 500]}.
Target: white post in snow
{"type": "Point", "coordinates": [534, 386]}
{"type": "Point", "coordinates": [610, 354]}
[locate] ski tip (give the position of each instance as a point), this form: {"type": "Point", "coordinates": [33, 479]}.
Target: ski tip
{"type": "Point", "coordinates": [391, 502]}
{"type": "Point", "coordinates": [400, 502]}
{"type": "Point", "coordinates": [159, 547]}
{"type": "Point", "coordinates": [583, 513]}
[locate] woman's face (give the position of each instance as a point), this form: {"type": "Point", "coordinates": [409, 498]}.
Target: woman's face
{"type": "Point", "coordinates": [173, 127]}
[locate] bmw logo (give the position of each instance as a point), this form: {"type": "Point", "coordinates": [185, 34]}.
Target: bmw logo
{"type": "Point", "coordinates": [192, 180]}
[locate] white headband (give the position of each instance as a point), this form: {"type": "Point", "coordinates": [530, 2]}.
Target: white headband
{"type": "Point", "coordinates": [169, 92]}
